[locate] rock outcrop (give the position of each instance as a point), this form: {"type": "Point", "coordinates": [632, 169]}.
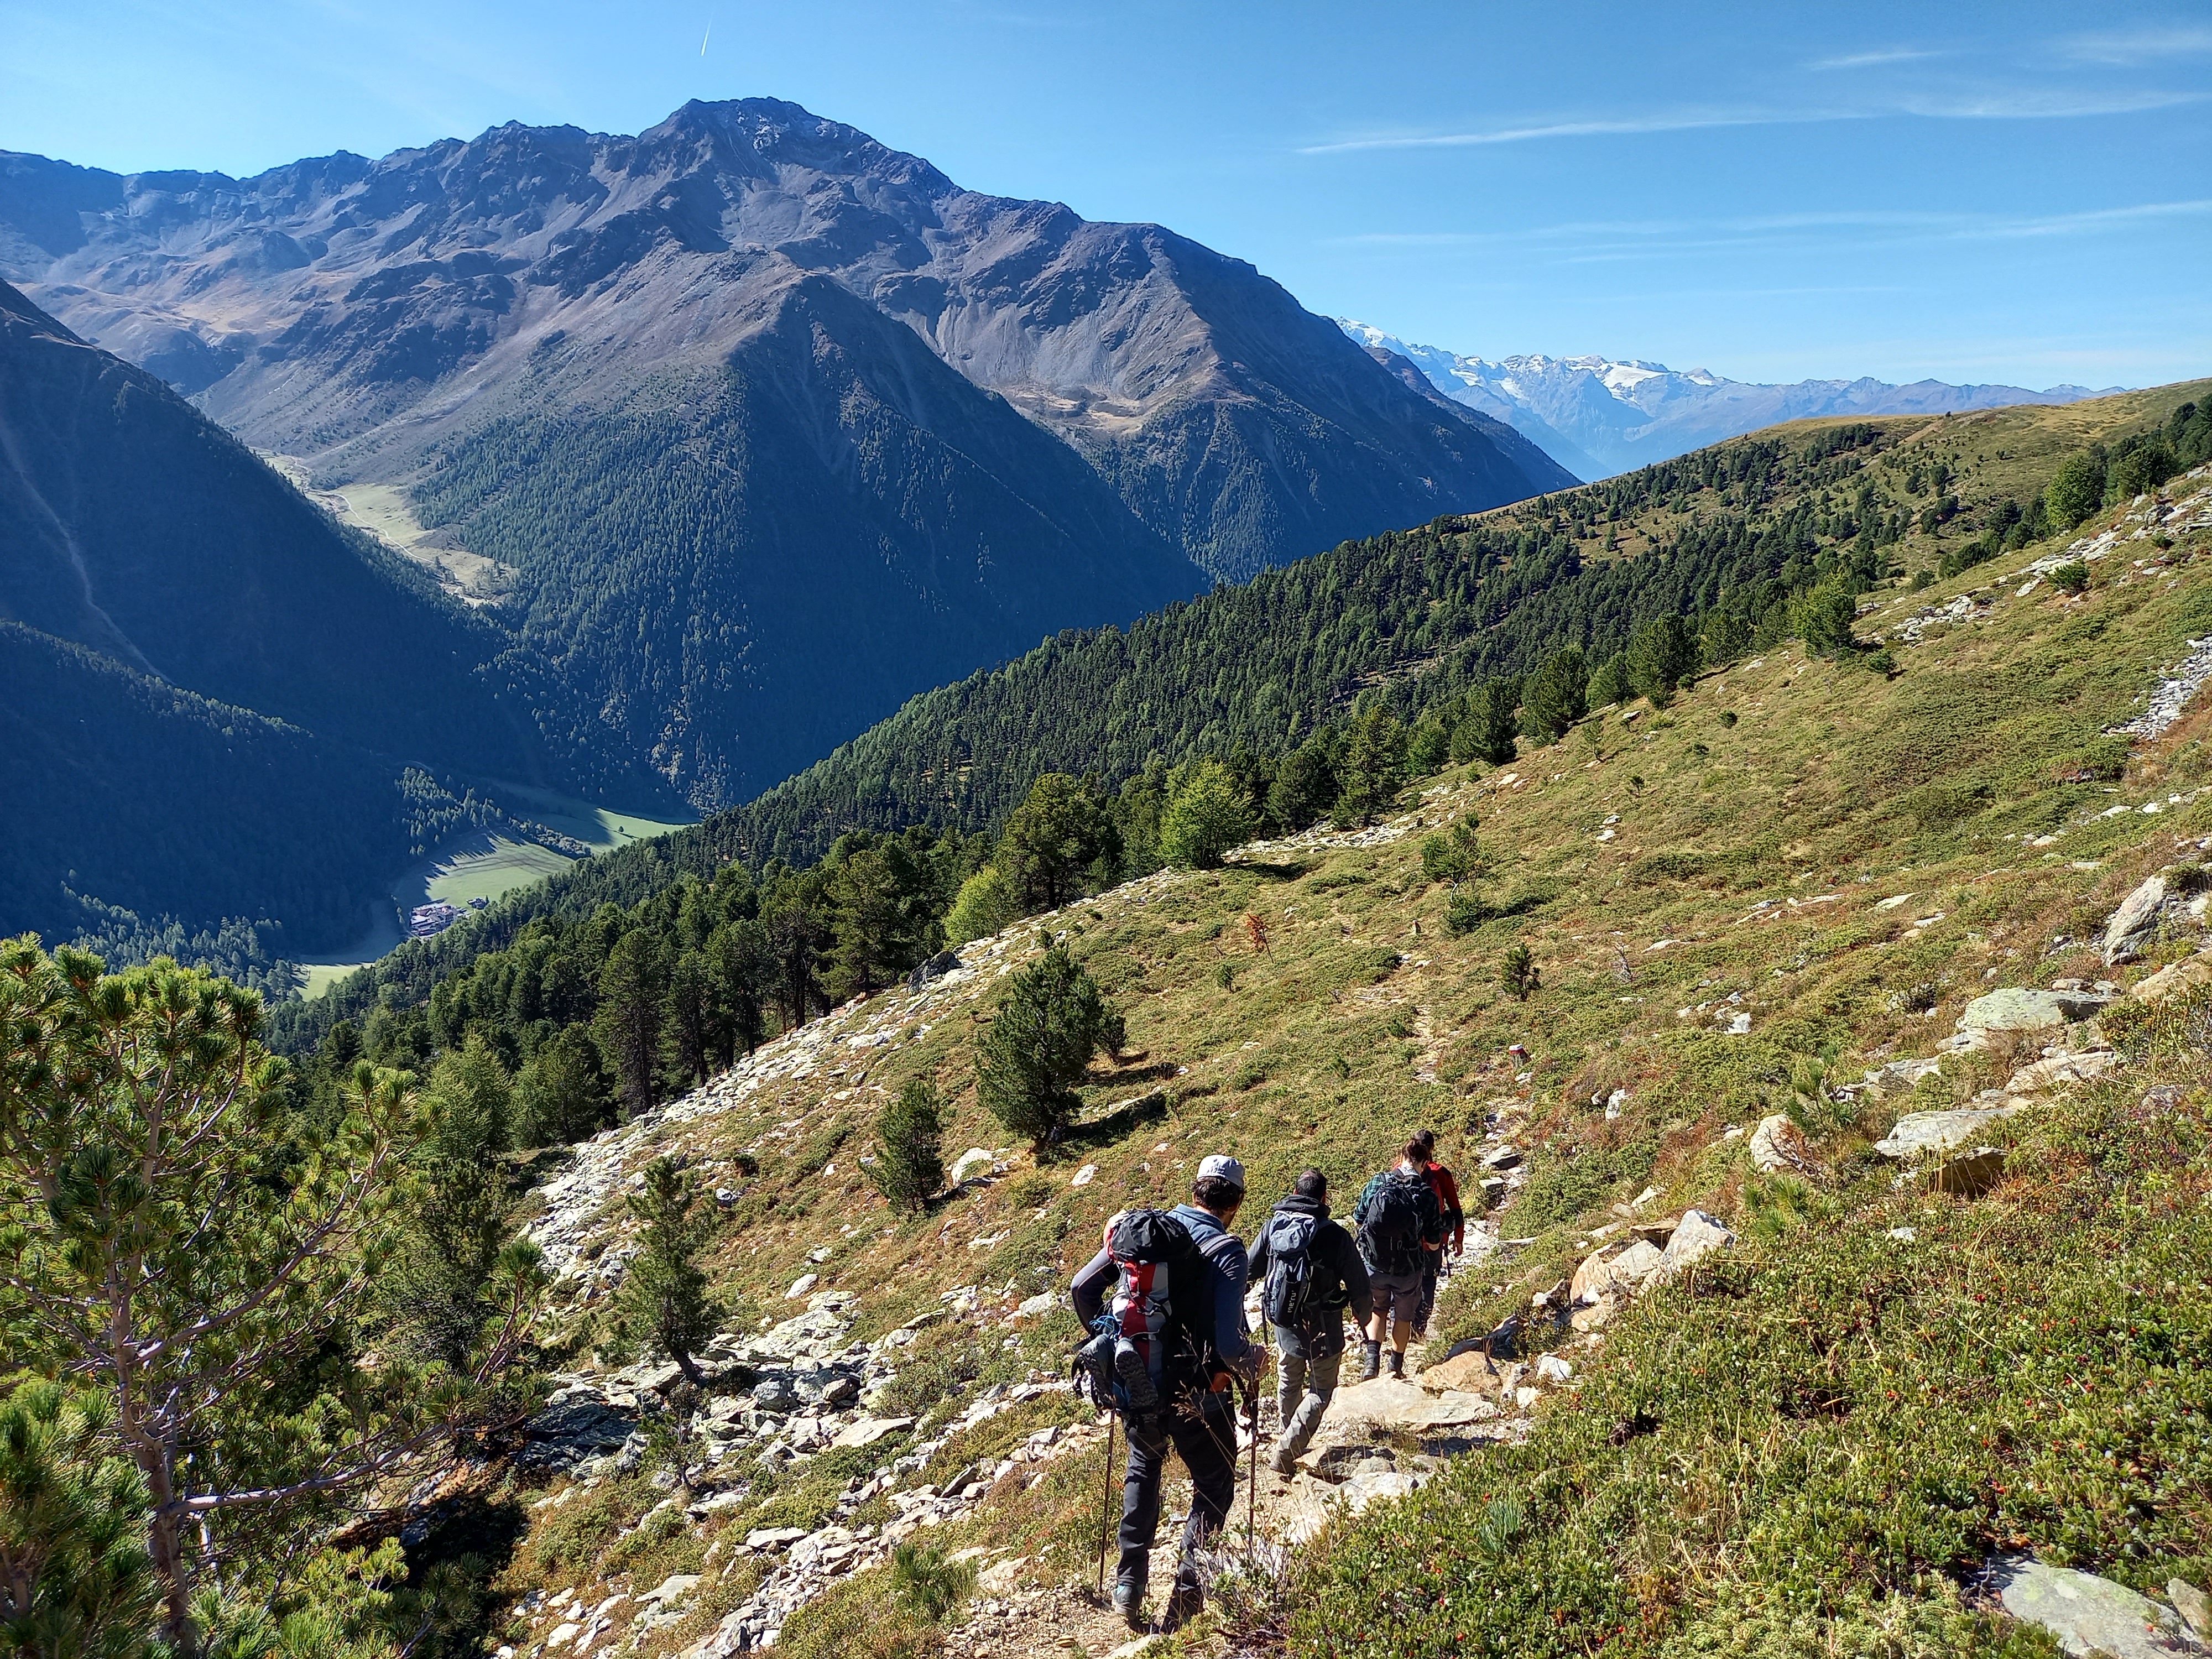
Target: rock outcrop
{"type": "Point", "coordinates": [2090, 1614]}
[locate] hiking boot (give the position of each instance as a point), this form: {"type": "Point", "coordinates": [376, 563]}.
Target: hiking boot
{"type": "Point", "coordinates": [1136, 1379]}
{"type": "Point", "coordinates": [1184, 1604]}
{"type": "Point", "coordinates": [1285, 1461]}
{"type": "Point", "coordinates": [1129, 1599]}
{"type": "Point", "coordinates": [1371, 1366]}
{"type": "Point", "coordinates": [1397, 1365]}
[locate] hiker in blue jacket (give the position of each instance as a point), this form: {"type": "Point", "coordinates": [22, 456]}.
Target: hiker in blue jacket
{"type": "Point", "coordinates": [1192, 1374]}
{"type": "Point", "coordinates": [1311, 1274]}
{"type": "Point", "coordinates": [1400, 1225]}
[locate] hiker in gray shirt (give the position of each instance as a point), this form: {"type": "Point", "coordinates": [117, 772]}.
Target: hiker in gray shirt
{"type": "Point", "coordinates": [1311, 1274]}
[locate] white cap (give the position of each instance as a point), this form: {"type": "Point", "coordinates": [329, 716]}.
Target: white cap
{"type": "Point", "coordinates": [1226, 1167]}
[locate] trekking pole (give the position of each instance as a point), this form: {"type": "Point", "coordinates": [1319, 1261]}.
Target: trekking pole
{"type": "Point", "coordinates": [1106, 1505]}
{"type": "Point", "coordinates": [1252, 1487]}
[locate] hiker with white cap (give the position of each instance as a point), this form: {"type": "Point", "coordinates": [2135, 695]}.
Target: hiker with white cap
{"type": "Point", "coordinates": [1177, 1329]}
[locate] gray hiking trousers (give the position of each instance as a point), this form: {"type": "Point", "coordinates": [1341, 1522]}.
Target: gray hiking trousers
{"type": "Point", "coordinates": [1304, 1387]}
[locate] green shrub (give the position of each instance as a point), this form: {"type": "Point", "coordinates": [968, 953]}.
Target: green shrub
{"type": "Point", "coordinates": [1517, 975]}
{"type": "Point", "coordinates": [924, 1583]}
{"type": "Point", "coordinates": [1465, 912]}
{"type": "Point", "coordinates": [1207, 817]}
{"type": "Point", "coordinates": [2073, 576]}
{"type": "Point", "coordinates": [1453, 856]}
{"type": "Point", "coordinates": [1806, 1447]}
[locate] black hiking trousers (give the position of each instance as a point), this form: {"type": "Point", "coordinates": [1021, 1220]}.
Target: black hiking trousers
{"type": "Point", "coordinates": [1206, 1443]}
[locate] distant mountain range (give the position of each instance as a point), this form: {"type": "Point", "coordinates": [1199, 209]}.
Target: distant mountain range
{"type": "Point", "coordinates": [1596, 417]}
{"type": "Point", "coordinates": [776, 426]}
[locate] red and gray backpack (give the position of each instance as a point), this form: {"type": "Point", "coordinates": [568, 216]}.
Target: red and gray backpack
{"type": "Point", "coordinates": [1154, 1339]}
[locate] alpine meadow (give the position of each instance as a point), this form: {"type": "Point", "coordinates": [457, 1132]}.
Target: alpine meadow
{"type": "Point", "coordinates": [756, 902]}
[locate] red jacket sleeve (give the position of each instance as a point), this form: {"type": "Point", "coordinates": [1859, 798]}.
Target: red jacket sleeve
{"type": "Point", "coordinates": [1447, 1191]}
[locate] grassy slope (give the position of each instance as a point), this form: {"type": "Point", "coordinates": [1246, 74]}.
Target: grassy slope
{"type": "Point", "coordinates": [1808, 1450]}
{"type": "Point", "coordinates": [1241, 664]}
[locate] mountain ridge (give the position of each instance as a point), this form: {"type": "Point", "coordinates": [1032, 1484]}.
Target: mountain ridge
{"type": "Point", "coordinates": [1599, 416]}
{"type": "Point", "coordinates": [410, 284]}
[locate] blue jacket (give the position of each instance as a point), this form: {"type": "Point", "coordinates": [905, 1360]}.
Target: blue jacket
{"type": "Point", "coordinates": [1224, 1252]}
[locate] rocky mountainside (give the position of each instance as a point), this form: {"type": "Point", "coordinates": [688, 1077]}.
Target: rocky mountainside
{"type": "Point", "coordinates": [1839, 1194]}
{"type": "Point", "coordinates": [362, 313]}
{"type": "Point", "coordinates": [1598, 418]}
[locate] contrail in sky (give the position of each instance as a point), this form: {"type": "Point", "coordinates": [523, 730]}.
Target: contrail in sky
{"type": "Point", "coordinates": [706, 37]}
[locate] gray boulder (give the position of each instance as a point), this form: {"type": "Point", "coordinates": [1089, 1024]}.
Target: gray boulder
{"type": "Point", "coordinates": [1697, 1235]}
{"type": "Point", "coordinates": [2090, 1614]}
{"type": "Point", "coordinates": [2135, 922]}
{"type": "Point", "coordinates": [560, 1436]}
{"type": "Point", "coordinates": [2020, 1009]}
{"type": "Point", "coordinates": [936, 968]}
{"type": "Point", "coordinates": [1922, 1134]}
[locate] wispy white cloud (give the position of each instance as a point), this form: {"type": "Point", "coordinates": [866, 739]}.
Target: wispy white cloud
{"type": "Point", "coordinates": [1871, 59]}
{"type": "Point", "coordinates": [2137, 45]}
{"type": "Point", "coordinates": [2041, 103]}
{"type": "Point", "coordinates": [1673, 121]}
{"type": "Point", "coordinates": [2016, 101]}
{"type": "Point", "coordinates": [1607, 241]}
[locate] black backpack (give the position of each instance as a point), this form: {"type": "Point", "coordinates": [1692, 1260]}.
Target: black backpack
{"type": "Point", "coordinates": [1391, 1236]}
{"type": "Point", "coordinates": [1288, 1296]}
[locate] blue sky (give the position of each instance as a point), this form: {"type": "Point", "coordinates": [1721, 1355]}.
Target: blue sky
{"type": "Point", "coordinates": [2020, 193]}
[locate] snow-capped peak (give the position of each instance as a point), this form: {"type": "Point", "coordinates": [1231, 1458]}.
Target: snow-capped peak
{"type": "Point", "coordinates": [1650, 412]}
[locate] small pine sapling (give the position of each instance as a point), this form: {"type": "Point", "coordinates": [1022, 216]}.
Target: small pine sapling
{"type": "Point", "coordinates": [1517, 973]}
{"type": "Point", "coordinates": [910, 1166]}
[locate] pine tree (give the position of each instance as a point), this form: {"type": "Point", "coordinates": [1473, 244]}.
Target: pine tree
{"type": "Point", "coordinates": [1557, 694]}
{"type": "Point", "coordinates": [663, 1292]}
{"type": "Point", "coordinates": [1609, 685]}
{"type": "Point", "coordinates": [2076, 489]}
{"type": "Point", "coordinates": [76, 1580]}
{"type": "Point", "coordinates": [1054, 838]}
{"type": "Point", "coordinates": [1490, 713]}
{"type": "Point", "coordinates": [1305, 786]}
{"type": "Point", "coordinates": [439, 1289]}
{"type": "Point", "coordinates": [1723, 638]}
{"type": "Point", "coordinates": [1207, 817]}
{"type": "Point", "coordinates": [691, 1016]}
{"type": "Point", "coordinates": [204, 1263]}
{"type": "Point", "coordinates": [744, 969]}
{"type": "Point", "coordinates": [1823, 618]}
{"type": "Point", "coordinates": [798, 935]}
{"type": "Point", "coordinates": [561, 1094]}
{"type": "Point", "coordinates": [1373, 767]}
{"type": "Point", "coordinates": [1662, 653]}
{"type": "Point", "coordinates": [632, 986]}
{"type": "Point", "coordinates": [1041, 1036]}
{"type": "Point", "coordinates": [869, 926]}
{"type": "Point", "coordinates": [909, 1168]}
